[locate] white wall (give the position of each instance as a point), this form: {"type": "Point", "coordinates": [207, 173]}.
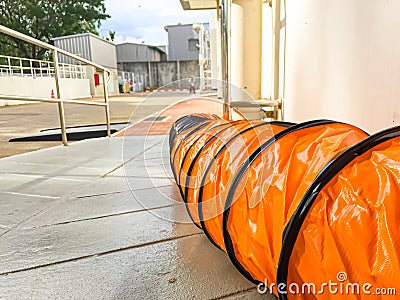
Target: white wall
{"type": "Point", "coordinates": [74, 88]}
{"type": "Point", "coordinates": [113, 89]}
{"type": "Point", "coordinates": [266, 78]}
{"type": "Point", "coordinates": [103, 52]}
{"type": "Point", "coordinates": [42, 87]}
{"type": "Point", "coordinates": [214, 50]}
{"type": "Point", "coordinates": [343, 62]}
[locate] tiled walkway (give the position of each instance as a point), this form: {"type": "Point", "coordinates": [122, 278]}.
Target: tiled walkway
{"type": "Point", "coordinates": [102, 219]}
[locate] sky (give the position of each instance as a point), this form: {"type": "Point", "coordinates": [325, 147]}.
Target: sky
{"type": "Point", "coordinates": [144, 20]}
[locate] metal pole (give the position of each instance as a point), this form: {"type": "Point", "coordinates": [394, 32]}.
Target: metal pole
{"type": "Point", "coordinates": [150, 77]}
{"type": "Point", "coordinates": [178, 66]}
{"type": "Point", "coordinates": [107, 107]}
{"type": "Point", "coordinates": [225, 31]}
{"type": "Point", "coordinates": [60, 104]}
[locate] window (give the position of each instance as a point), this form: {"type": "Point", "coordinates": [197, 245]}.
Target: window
{"type": "Point", "coordinates": [192, 44]}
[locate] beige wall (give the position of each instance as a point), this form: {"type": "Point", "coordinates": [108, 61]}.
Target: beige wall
{"type": "Point", "coordinates": [246, 47]}
{"type": "Point", "coordinates": [266, 78]}
{"type": "Point", "coordinates": [343, 62]}
{"type": "Point", "coordinates": [98, 90]}
{"type": "Point", "coordinates": [103, 53]}
{"type": "Point", "coordinates": [214, 49]}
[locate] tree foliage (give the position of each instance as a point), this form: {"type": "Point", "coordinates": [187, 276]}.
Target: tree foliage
{"type": "Point", "coordinates": [47, 19]}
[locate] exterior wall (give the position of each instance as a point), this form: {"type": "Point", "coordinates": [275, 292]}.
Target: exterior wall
{"type": "Point", "coordinates": [42, 87]}
{"type": "Point", "coordinates": [136, 52]}
{"type": "Point", "coordinates": [103, 52]}
{"type": "Point", "coordinates": [167, 74]}
{"type": "Point", "coordinates": [189, 69]}
{"type": "Point", "coordinates": [97, 91]}
{"type": "Point", "coordinates": [74, 88]}
{"type": "Point", "coordinates": [214, 49]}
{"type": "Point", "coordinates": [161, 73]}
{"type": "Point", "coordinates": [266, 73]}
{"type": "Point", "coordinates": [178, 45]}
{"type": "Point", "coordinates": [343, 62]}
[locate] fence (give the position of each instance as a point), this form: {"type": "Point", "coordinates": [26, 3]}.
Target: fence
{"type": "Point", "coordinates": [16, 66]}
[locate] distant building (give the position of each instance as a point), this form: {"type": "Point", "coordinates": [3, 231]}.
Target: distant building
{"type": "Point", "coordinates": [183, 42]}
{"type": "Point", "coordinates": [95, 49]}
{"type": "Point", "coordinates": [132, 52]}
{"type": "Point", "coordinates": [134, 64]}
{"type": "Point", "coordinates": [90, 47]}
{"type": "Point", "coordinates": [147, 66]}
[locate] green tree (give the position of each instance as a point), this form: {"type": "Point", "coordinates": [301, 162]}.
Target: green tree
{"type": "Point", "coordinates": [47, 19]}
{"type": "Point", "coordinates": [111, 36]}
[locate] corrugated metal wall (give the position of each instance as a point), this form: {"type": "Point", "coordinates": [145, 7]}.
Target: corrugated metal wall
{"type": "Point", "coordinates": [79, 45]}
{"type": "Point", "coordinates": [130, 52]}
{"type": "Point", "coordinates": [90, 47]}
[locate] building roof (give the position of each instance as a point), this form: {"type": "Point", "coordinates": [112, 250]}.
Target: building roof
{"type": "Point", "coordinates": [183, 25]}
{"type": "Point", "coordinates": [157, 48]}
{"type": "Point", "coordinates": [80, 35]}
{"type": "Point", "coordinates": [198, 4]}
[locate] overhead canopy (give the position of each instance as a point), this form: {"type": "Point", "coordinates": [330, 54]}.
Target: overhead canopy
{"type": "Point", "coordinates": [198, 4]}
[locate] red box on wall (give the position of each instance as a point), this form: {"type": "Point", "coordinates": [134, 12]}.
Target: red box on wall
{"type": "Point", "coordinates": [96, 79]}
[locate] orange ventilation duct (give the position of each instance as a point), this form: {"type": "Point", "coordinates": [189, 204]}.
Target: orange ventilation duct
{"type": "Point", "coordinates": [294, 204]}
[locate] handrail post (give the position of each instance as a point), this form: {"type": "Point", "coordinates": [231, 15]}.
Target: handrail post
{"type": "Point", "coordinates": [21, 67]}
{"type": "Point", "coordinates": [60, 104]}
{"type": "Point", "coordinates": [9, 65]}
{"type": "Point", "coordinates": [107, 107]}
{"type": "Point", "coordinates": [225, 9]}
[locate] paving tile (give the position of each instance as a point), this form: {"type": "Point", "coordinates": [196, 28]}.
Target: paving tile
{"type": "Point", "coordinates": [137, 163]}
{"type": "Point", "coordinates": [51, 170]}
{"type": "Point", "coordinates": [52, 187]}
{"type": "Point", "coordinates": [27, 168]}
{"type": "Point", "coordinates": [67, 160]}
{"type": "Point", "coordinates": [92, 149]}
{"type": "Point", "coordinates": [27, 248]}
{"type": "Point", "coordinates": [186, 268]}
{"type": "Point", "coordinates": [143, 169]}
{"type": "Point", "coordinates": [109, 185]}
{"type": "Point", "coordinates": [72, 210]}
{"type": "Point", "coordinates": [9, 181]}
{"type": "Point", "coordinates": [16, 208]}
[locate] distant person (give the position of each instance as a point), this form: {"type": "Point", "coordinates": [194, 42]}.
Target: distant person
{"type": "Point", "coordinates": [120, 84]}
{"type": "Point", "coordinates": [192, 85]}
{"type": "Point", "coordinates": [131, 86]}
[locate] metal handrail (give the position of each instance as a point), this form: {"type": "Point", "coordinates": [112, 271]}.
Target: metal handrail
{"type": "Point", "coordinates": [49, 100]}
{"type": "Point", "coordinates": [42, 44]}
{"type": "Point", "coordinates": [106, 78]}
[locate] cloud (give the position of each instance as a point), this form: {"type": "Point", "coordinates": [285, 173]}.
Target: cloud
{"type": "Point", "coordinates": [144, 20]}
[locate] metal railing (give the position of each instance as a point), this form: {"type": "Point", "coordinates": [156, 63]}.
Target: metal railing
{"type": "Point", "coordinates": [17, 66]}
{"type": "Point", "coordinates": [57, 75]}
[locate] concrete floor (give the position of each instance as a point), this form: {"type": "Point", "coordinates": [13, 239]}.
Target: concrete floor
{"type": "Point", "coordinates": [102, 219]}
{"type": "Point", "coordinates": [72, 225]}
